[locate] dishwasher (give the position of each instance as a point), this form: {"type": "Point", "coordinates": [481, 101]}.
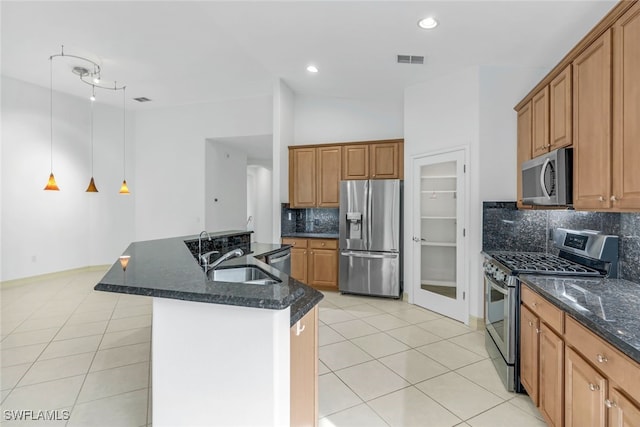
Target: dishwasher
{"type": "Point", "coordinates": [280, 260]}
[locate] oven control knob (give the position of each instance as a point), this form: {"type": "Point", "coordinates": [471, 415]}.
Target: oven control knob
{"type": "Point", "coordinates": [500, 276]}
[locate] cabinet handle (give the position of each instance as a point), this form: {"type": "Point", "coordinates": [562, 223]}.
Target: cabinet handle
{"type": "Point", "coordinates": [610, 403]}
{"type": "Point", "coordinates": [323, 243]}
{"type": "Point", "coordinates": [613, 199]}
{"type": "Point", "coordinates": [537, 331]}
{"type": "Point", "coordinates": [299, 329]}
{"type": "Point", "coordinates": [602, 359]}
{"type": "Point", "coordinates": [530, 324]}
{"type": "Point", "coordinates": [601, 199]}
{"type": "Point", "coordinates": [535, 304]}
{"type": "Point", "coordinates": [594, 387]}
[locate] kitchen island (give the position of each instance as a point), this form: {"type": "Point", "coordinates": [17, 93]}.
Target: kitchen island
{"type": "Point", "coordinates": [222, 353]}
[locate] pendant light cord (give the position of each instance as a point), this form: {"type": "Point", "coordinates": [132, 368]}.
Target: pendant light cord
{"type": "Point", "coordinates": [92, 138]}
{"type": "Point", "coordinates": [51, 108]}
{"type": "Point", "coordinates": [124, 135]}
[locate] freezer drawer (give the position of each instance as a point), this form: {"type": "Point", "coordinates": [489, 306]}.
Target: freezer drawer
{"type": "Point", "coordinates": [370, 273]}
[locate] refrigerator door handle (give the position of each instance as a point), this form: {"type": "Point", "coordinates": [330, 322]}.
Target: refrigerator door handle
{"type": "Point", "coordinates": [369, 255]}
{"type": "Point", "coordinates": [369, 203]}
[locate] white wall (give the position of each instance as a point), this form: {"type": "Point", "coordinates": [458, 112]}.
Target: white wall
{"type": "Point", "coordinates": [225, 195]}
{"type": "Point", "coordinates": [321, 120]}
{"type": "Point", "coordinates": [473, 107]}
{"type": "Point", "coordinates": [260, 202]}
{"type": "Point", "coordinates": [44, 231]}
{"type": "Point", "coordinates": [170, 160]}
{"type": "Point", "coordinates": [283, 123]}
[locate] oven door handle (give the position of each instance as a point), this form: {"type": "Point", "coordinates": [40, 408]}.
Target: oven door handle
{"type": "Point", "coordinates": [500, 289]}
{"type": "Point", "coordinates": [542, 184]}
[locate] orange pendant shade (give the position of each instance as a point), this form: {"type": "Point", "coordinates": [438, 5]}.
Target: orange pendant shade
{"type": "Point", "coordinates": [124, 189]}
{"type": "Point", "coordinates": [51, 184]}
{"type": "Point", "coordinates": [124, 261]}
{"type": "Point", "coordinates": [92, 187]}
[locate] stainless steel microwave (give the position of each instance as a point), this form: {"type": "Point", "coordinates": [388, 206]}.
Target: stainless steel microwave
{"type": "Point", "coordinates": [547, 179]}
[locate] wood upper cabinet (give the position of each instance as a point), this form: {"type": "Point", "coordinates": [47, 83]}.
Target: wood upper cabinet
{"type": "Point", "coordinates": [561, 110]}
{"type": "Point", "coordinates": [314, 176]}
{"type": "Point", "coordinates": [386, 160]}
{"type": "Point", "coordinates": [328, 176]}
{"type": "Point", "coordinates": [355, 164]}
{"type": "Point", "coordinates": [304, 370]}
{"type": "Point", "coordinates": [592, 125]}
{"type": "Point", "coordinates": [540, 122]}
{"type": "Point", "coordinates": [524, 146]}
{"type": "Point", "coordinates": [585, 391]}
{"type": "Point", "coordinates": [626, 111]}
{"type": "Point", "coordinates": [302, 177]}
{"type": "Point", "coordinates": [375, 160]}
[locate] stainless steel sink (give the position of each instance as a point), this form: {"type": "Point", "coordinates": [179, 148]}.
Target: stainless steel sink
{"type": "Point", "coordinates": [244, 274]}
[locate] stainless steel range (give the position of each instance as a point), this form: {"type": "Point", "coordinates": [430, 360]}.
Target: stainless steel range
{"type": "Point", "coordinates": [582, 253]}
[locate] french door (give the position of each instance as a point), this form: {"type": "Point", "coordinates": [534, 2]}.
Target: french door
{"type": "Point", "coordinates": [439, 276]}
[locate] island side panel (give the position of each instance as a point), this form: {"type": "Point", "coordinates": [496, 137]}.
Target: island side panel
{"type": "Point", "coordinates": [219, 365]}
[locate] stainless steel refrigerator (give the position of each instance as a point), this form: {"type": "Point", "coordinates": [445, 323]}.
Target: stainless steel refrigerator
{"type": "Point", "coordinates": [371, 237]}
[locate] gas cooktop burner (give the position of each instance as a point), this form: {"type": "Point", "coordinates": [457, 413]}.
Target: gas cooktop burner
{"type": "Point", "coordinates": [541, 263]}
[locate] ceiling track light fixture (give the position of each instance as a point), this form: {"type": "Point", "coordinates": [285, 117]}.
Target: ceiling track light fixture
{"type": "Point", "coordinates": [89, 73]}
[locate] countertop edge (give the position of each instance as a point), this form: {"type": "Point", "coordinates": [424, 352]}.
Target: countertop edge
{"type": "Point", "coordinates": [625, 348]}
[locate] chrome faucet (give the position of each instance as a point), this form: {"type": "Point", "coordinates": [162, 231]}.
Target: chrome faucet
{"type": "Point", "coordinates": [231, 254]}
{"type": "Point", "coordinates": [204, 260]}
{"type": "Point", "coordinates": [200, 244]}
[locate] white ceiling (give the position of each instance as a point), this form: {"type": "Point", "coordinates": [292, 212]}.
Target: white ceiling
{"type": "Point", "coordinates": [183, 52]}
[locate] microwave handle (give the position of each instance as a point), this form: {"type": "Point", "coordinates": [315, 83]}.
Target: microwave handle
{"type": "Point", "coordinates": [542, 185]}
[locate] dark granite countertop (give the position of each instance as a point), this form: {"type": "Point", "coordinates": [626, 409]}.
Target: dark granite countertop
{"type": "Point", "coordinates": [165, 268]}
{"type": "Point", "coordinates": [313, 235]}
{"type": "Point", "coordinates": [612, 306]}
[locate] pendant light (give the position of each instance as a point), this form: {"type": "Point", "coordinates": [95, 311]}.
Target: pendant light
{"type": "Point", "coordinates": [51, 184]}
{"type": "Point", "coordinates": [92, 185]}
{"type": "Point", "coordinates": [123, 188]}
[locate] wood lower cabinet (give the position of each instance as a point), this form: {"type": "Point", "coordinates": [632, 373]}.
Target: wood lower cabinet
{"type": "Point", "coordinates": [542, 355]}
{"type": "Point", "coordinates": [622, 411]}
{"type": "Point", "coordinates": [314, 261]}
{"type": "Point", "coordinates": [585, 391]}
{"type": "Point", "coordinates": [304, 370]}
{"type": "Point", "coordinates": [626, 111]}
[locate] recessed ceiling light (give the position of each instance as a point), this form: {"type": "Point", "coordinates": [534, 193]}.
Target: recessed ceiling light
{"type": "Point", "coordinates": [312, 69]}
{"type": "Point", "coordinates": [428, 23]}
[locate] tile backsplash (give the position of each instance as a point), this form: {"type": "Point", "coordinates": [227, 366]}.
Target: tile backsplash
{"type": "Point", "coordinates": [312, 220]}
{"type": "Point", "coordinates": [505, 228]}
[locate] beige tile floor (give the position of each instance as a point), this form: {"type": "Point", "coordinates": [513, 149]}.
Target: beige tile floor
{"type": "Point", "coordinates": [67, 347]}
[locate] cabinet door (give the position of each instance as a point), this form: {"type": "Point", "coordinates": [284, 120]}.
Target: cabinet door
{"type": "Point", "coordinates": [540, 124]}
{"type": "Point", "coordinates": [302, 177]}
{"type": "Point", "coordinates": [329, 161]}
{"type": "Point", "coordinates": [626, 98]}
{"type": "Point", "coordinates": [585, 392]}
{"type": "Point", "coordinates": [551, 377]}
{"type": "Point", "coordinates": [524, 146]}
{"type": "Point", "coordinates": [323, 268]}
{"type": "Point", "coordinates": [355, 162]}
{"type": "Point", "coordinates": [622, 411]}
{"type": "Point", "coordinates": [304, 370]}
{"type": "Point", "coordinates": [385, 160]}
{"type": "Point", "coordinates": [299, 264]}
{"type": "Point", "coordinates": [529, 326]}
{"type": "Point", "coordinates": [592, 125]}
{"type": "Point", "coordinates": [560, 110]}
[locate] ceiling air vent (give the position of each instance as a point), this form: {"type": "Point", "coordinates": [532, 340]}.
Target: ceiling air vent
{"type": "Point", "coordinates": [142, 99]}
{"type": "Point", "coordinates": [410, 59]}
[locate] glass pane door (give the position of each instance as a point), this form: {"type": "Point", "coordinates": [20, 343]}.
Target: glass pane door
{"type": "Point", "coordinates": [438, 232]}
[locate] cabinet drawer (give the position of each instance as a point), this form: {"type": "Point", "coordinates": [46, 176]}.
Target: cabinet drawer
{"type": "Point", "coordinates": [548, 313]}
{"type": "Point", "coordinates": [296, 243]}
{"type": "Point", "coordinates": [323, 243]}
{"type": "Point", "coordinates": [615, 365]}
